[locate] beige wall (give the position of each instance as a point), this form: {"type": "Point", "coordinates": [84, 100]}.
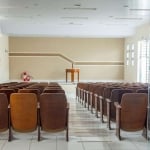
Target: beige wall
{"type": "Point", "coordinates": [98, 59]}
{"type": "Point", "coordinates": [4, 62]}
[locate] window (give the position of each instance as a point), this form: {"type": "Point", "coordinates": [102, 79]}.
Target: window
{"type": "Point", "coordinates": [127, 55]}
{"type": "Point", "coordinates": [144, 61]}
{"type": "Point", "coordinates": [130, 55]}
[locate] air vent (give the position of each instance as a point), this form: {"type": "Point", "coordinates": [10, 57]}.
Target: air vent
{"type": "Point", "coordinates": [82, 18]}
{"type": "Point", "coordinates": [71, 23]}
{"type": "Point", "coordinates": [78, 8]}
{"type": "Point", "coordinates": [77, 5]}
{"type": "Point", "coordinates": [140, 9]}
{"type": "Point", "coordinates": [128, 18]}
{"type": "Point", "coordinates": [22, 17]}
{"type": "Point", "coordinates": [111, 24]}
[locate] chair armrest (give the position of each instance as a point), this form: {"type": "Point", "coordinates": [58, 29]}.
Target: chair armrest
{"type": "Point", "coordinates": [9, 106]}
{"type": "Point", "coordinates": [117, 105]}
{"type": "Point", "coordinates": [108, 100]}
{"type": "Point", "coordinates": [38, 105]}
{"type": "Point", "coordinates": [87, 92]}
{"type": "Point", "coordinates": [100, 97]}
{"type": "Point", "coordinates": [68, 105]}
{"type": "Point", "coordinates": [95, 95]}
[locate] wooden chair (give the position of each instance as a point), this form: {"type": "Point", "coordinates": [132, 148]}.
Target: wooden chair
{"type": "Point", "coordinates": [54, 111]}
{"type": "Point", "coordinates": [116, 96]}
{"type": "Point", "coordinates": [4, 114]}
{"type": "Point", "coordinates": [106, 94]}
{"type": "Point", "coordinates": [131, 114]}
{"type": "Point", "coordinates": [23, 112]}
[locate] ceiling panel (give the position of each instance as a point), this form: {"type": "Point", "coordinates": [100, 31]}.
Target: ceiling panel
{"type": "Point", "coordinates": [73, 18]}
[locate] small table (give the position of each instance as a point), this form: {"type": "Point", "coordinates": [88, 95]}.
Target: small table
{"type": "Point", "coordinates": [72, 71]}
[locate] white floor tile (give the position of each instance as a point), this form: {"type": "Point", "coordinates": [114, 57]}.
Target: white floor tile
{"type": "Point", "coordinates": [43, 145]}
{"type": "Point", "coordinates": [96, 146]}
{"type": "Point", "coordinates": [73, 143]}
{"type": "Point", "coordinates": [17, 145]}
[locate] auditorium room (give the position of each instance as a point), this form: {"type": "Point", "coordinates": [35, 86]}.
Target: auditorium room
{"type": "Point", "coordinates": [74, 74]}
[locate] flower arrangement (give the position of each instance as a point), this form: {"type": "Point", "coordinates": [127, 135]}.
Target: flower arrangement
{"type": "Point", "coordinates": [25, 76]}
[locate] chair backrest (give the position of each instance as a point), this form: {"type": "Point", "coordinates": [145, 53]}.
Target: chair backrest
{"type": "Point", "coordinates": [53, 111]}
{"type": "Point", "coordinates": [142, 91]}
{"type": "Point", "coordinates": [23, 111]}
{"type": "Point", "coordinates": [3, 112]}
{"type": "Point", "coordinates": [133, 111]}
{"type": "Point", "coordinates": [36, 91]}
{"type": "Point", "coordinates": [116, 96]}
{"type": "Point", "coordinates": [53, 91]}
{"type": "Point", "coordinates": [8, 92]}
{"type": "Point", "coordinates": [107, 94]}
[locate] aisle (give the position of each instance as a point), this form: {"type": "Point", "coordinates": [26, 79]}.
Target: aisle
{"type": "Point", "coordinates": [81, 122]}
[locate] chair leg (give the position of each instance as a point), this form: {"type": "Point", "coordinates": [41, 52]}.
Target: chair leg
{"type": "Point", "coordinates": [108, 115]}
{"type": "Point", "coordinates": [118, 112]}
{"type": "Point", "coordinates": [39, 123]}
{"type": "Point", "coordinates": [144, 134]}
{"type": "Point", "coordinates": [101, 108]}
{"type": "Point", "coordinates": [9, 126]}
{"type": "Point", "coordinates": [39, 134]}
{"type": "Point", "coordinates": [118, 133]}
{"type": "Point", "coordinates": [10, 135]}
{"type": "Point", "coordinates": [67, 136]}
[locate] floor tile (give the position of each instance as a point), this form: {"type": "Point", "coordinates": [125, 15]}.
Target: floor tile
{"type": "Point", "coordinates": [73, 144]}
{"type": "Point", "coordinates": [17, 145]}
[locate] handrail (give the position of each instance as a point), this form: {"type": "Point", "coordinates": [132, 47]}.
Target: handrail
{"type": "Point", "coordinates": [16, 54]}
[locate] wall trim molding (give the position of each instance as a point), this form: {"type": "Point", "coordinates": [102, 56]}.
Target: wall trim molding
{"type": "Point", "coordinates": [109, 63]}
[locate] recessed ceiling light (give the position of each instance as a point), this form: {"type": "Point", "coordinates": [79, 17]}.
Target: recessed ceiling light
{"type": "Point", "coordinates": [129, 18]}
{"type": "Point", "coordinates": [77, 5]}
{"type": "Point", "coordinates": [126, 6]}
{"type": "Point", "coordinates": [36, 4]}
{"type": "Point", "coordinates": [140, 9]}
{"type": "Point", "coordinates": [74, 17]}
{"type": "Point", "coordinates": [72, 23]}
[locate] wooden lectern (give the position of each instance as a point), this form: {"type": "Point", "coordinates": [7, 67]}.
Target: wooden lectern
{"type": "Point", "coordinates": [72, 71]}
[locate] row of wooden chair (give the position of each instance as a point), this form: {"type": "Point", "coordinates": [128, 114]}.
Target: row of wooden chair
{"type": "Point", "coordinates": [32, 107]}
{"type": "Point", "coordinates": [25, 114]}
{"type": "Point", "coordinates": [34, 88]}
{"type": "Point", "coordinates": [101, 98]}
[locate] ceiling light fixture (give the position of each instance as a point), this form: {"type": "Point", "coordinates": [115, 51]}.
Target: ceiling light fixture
{"type": "Point", "coordinates": [72, 8]}
{"type": "Point", "coordinates": [128, 18]}
{"type": "Point", "coordinates": [85, 18]}
{"type": "Point", "coordinates": [77, 5]}
{"type": "Point", "coordinates": [136, 9]}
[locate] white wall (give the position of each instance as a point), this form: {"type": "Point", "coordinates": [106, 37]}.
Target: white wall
{"type": "Point", "coordinates": [4, 59]}
{"type": "Point", "coordinates": [130, 72]}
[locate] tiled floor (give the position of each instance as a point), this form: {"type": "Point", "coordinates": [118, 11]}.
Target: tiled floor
{"type": "Point", "coordinates": [86, 132]}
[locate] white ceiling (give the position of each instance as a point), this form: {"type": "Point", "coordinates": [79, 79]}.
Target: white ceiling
{"type": "Point", "coordinates": [73, 18]}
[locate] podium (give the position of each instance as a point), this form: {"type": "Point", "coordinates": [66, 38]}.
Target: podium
{"type": "Point", "coordinates": [72, 71]}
